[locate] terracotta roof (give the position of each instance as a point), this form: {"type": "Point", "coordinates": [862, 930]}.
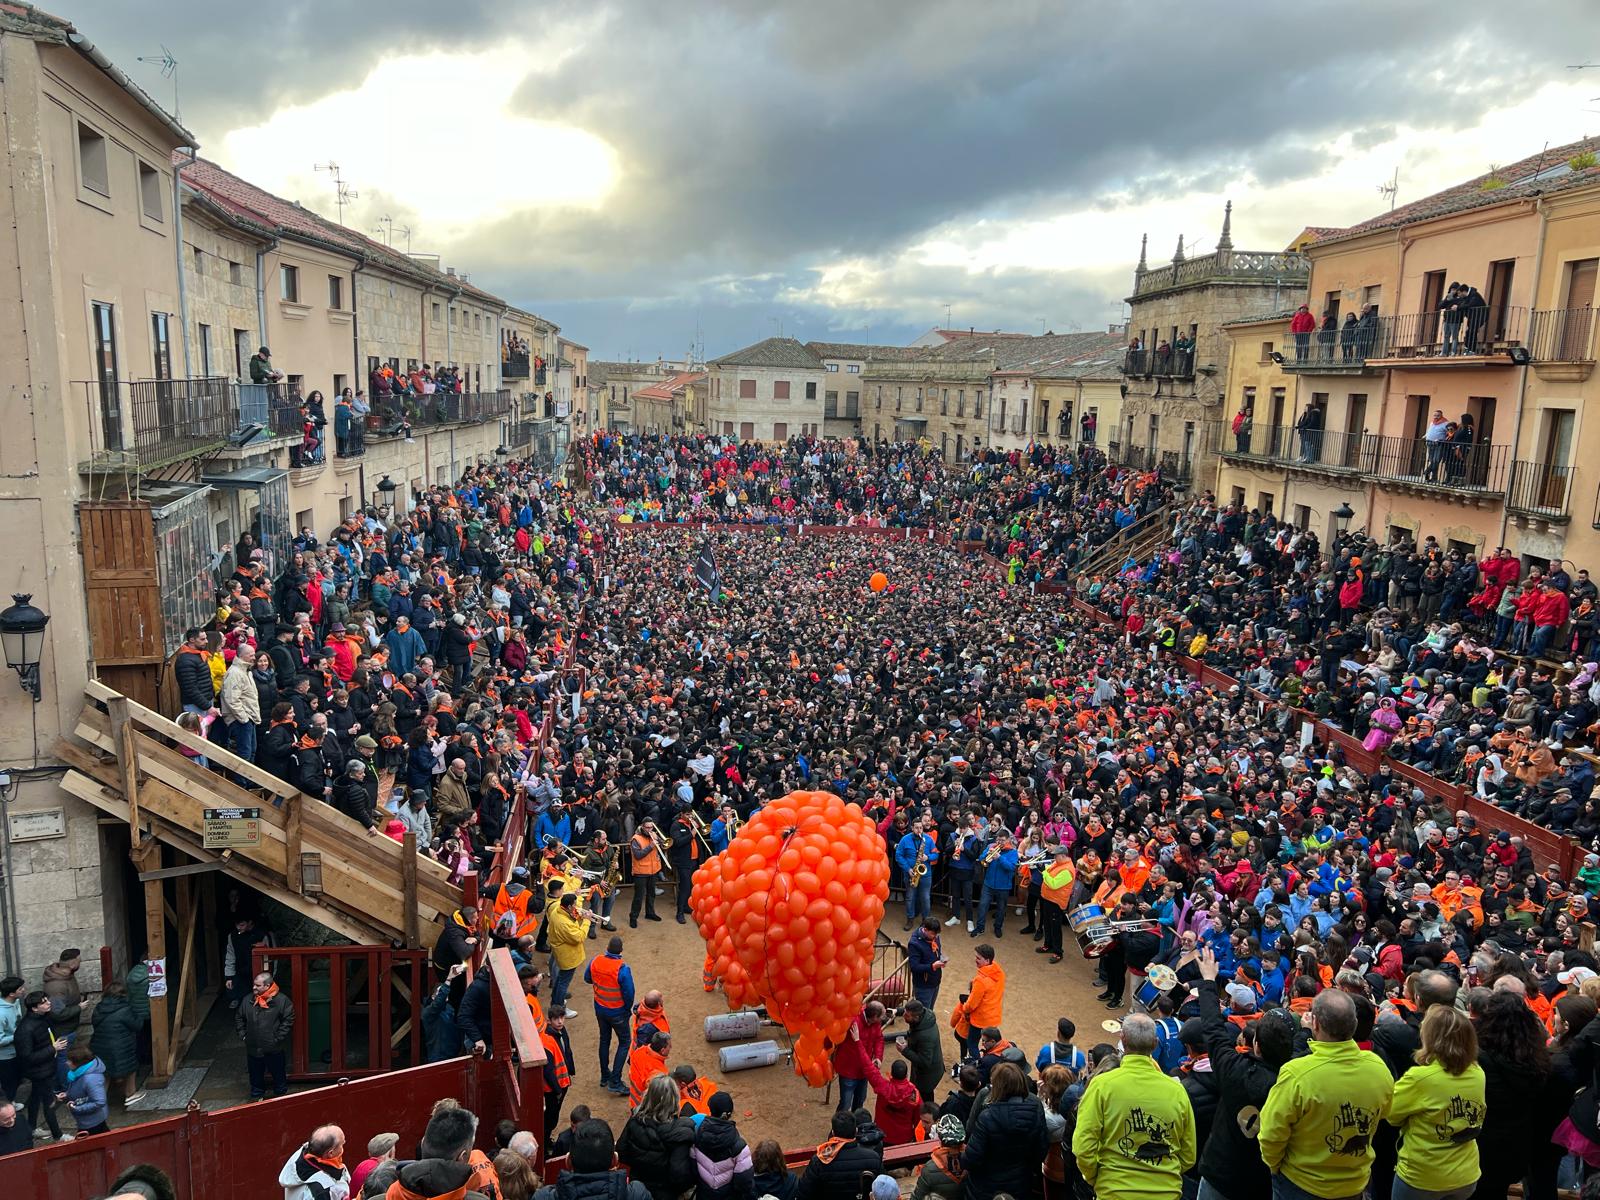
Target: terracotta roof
{"type": "Point", "coordinates": [863, 351]}
{"type": "Point", "coordinates": [669, 388]}
{"type": "Point", "coordinates": [1537, 175]}
{"type": "Point", "coordinates": [1261, 318]}
{"type": "Point", "coordinates": [772, 352]}
{"type": "Point", "coordinates": [951, 335]}
{"type": "Point", "coordinates": [256, 204]}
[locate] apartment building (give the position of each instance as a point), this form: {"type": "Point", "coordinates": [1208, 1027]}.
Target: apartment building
{"type": "Point", "coordinates": [769, 391]}
{"type": "Point", "coordinates": [1086, 387]}
{"type": "Point", "coordinates": [1030, 404]}
{"type": "Point", "coordinates": [1177, 360]}
{"type": "Point", "coordinates": [140, 281]}
{"type": "Point", "coordinates": [1506, 369]}
{"type": "Point", "coordinates": [842, 392]}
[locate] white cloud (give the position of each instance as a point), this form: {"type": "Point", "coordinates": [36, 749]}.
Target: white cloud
{"type": "Point", "coordinates": [434, 136]}
{"type": "Point", "coordinates": [1097, 238]}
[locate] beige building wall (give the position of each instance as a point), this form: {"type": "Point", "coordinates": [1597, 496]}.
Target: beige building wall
{"type": "Point", "coordinates": [389, 312]}
{"type": "Point", "coordinates": [220, 274]}
{"type": "Point", "coordinates": [765, 416]}
{"type": "Point", "coordinates": [71, 245]}
{"type": "Point", "coordinates": [945, 402]}
{"type": "Point", "coordinates": [312, 341]}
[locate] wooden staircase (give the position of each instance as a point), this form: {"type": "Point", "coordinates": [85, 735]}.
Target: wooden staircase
{"type": "Point", "coordinates": [313, 859]}
{"type": "Point", "coordinates": [1138, 541]}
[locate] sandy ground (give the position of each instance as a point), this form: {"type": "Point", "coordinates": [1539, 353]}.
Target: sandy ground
{"type": "Point", "coordinates": [773, 1101]}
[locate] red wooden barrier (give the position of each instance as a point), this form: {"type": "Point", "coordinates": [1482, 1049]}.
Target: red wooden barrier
{"type": "Point", "coordinates": [236, 1153]}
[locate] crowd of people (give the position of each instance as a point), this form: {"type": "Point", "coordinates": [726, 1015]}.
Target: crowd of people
{"type": "Point", "coordinates": [1261, 911]}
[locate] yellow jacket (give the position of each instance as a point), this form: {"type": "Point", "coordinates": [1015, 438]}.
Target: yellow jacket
{"type": "Point", "coordinates": [1440, 1117]}
{"type": "Point", "coordinates": [568, 936]}
{"type": "Point", "coordinates": [1319, 1119]}
{"type": "Point", "coordinates": [1135, 1135]}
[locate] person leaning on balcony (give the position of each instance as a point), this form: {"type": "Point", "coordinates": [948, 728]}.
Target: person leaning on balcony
{"type": "Point", "coordinates": [1302, 326]}
{"type": "Point", "coordinates": [1436, 435]}
{"type": "Point", "coordinates": [262, 370]}
{"type": "Point", "coordinates": [1347, 336]}
{"type": "Point", "coordinates": [1243, 424]}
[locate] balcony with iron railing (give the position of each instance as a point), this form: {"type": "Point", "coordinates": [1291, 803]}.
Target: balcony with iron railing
{"type": "Point", "coordinates": [144, 424]}
{"type": "Point", "coordinates": [1561, 341]}
{"type": "Point", "coordinates": [1421, 465]}
{"type": "Point", "coordinates": [1540, 491]}
{"type": "Point", "coordinates": [1474, 337]}
{"type": "Point", "coordinates": [1320, 450]}
{"type": "Point", "coordinates": [1159, 364]}
{"type": "Point", "coordinates": [1335, 351]}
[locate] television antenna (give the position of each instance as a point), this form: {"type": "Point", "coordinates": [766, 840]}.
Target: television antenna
{"type": "Point", "coordinates": [385, 226]}
{"type": "Point", "coordinates": [1391, 189]}
{"type": "Point", "coordinates": [169, 70]}
{"type": "Point", "coordinates": [405, 232]}
{"type": "Point", "coordinates": [343, 192]}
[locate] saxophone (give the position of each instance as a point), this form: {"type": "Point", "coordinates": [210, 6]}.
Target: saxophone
{"type": "Point", "coordinates": [920, 867]}
{"type": "Point", "coordinates": [613, 878]}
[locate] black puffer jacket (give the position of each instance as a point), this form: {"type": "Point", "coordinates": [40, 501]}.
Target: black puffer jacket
{"type": "Point", "coordinates": [36, 1057]}
{"type": "Point", "coordinates": [1005, 1146]}
{"type": "Point", "coordinates": [193, 672]}
{"type": "Point", "coordinates": [656, 1154]}
{"type": "Point", "coordinates": [1229, 1159]}
{"type": "Point", "coordinates": [839, 1175]}
{"type": "Point", "coordinates": [593, 1185]}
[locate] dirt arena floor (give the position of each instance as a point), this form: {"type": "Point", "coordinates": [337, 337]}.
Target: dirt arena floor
{"type": "Point", "coordinates": [773, 1101]}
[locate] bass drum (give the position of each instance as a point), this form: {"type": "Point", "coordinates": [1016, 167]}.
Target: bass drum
{"type": "Point", "coordinates": [1085, 916]}
{"type": "Point", "coordinates": [1094, 942]}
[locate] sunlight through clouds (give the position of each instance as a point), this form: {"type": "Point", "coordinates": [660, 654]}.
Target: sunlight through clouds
{"type": "Point", "coordinates": [431, 138]}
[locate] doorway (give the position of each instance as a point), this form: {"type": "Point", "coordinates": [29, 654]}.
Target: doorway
{"type": "Point", "coordinates": [1499, 297]}
{"type": "Point", "coordinates": [1428, 321]}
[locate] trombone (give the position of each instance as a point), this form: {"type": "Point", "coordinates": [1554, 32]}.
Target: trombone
{"type": "Point", "coordinates": [699, 828]}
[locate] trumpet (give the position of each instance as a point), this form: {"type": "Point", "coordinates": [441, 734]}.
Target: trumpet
{"type": "Point", "coordinates": [1038, 859]}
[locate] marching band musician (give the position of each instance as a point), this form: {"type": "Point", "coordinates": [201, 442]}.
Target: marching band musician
{"type": "Point", "coordinates": [999, 876]}
{"type": "Point", "coordinates": [723, 828]}
{"type": "Point", "coordinates": [918, 848]}
{"type": "Point", "coordinates": [685, 853]}
{"type": "Point", "coordinates": [603, 861]}
{"type": "Point", "coordinates": [1055, 893]}
{"type": "Point", "coordinates": [646, 856]}
{"type": "Point", "coordinates": [966, 851]}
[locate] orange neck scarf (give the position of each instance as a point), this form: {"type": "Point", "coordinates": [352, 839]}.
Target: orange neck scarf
{"type": "Point", "coordinates": [265, 997]}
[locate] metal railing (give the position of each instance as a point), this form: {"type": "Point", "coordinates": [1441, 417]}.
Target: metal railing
{"type": "Point", "coordinates": [1540, 489]}
{"type": "Point", "coordinates": [1492, 329]}
{"type": "Point", "coordinates": [1281, 267]}
{"type": "Point", "coordinates": [1562, 335]}
{"type": "Point", "coordinates": [451, 408]}
{"type": "Point", "coordinates": [1166, 364]}
{"type": "Point", "coordinates": [155, 421]}
{"type": "Point", "coordinates": [1285, 443]}
{"type": "Point", "coordinates": [1479, 467]}
{"type": "Point", "coordinates": [515, 365]}
{"type": "Point", "coordinates": [1346, 346]}
{"type": "Point", "coordinates": [1176, 467]}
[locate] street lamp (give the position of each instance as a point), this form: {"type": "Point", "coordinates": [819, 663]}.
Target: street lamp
{"type": "Point", "coordinates": [501, 451]}
{"type": "Point", "coordinates": [22, 632]}
{"type": "Point", "coordinates": [1341, 517]}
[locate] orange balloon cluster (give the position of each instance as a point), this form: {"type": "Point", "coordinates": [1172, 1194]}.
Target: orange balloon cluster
{"type": "Point", "coordinates": [789, 912]}
{"type": "Point", "coordinates": [878, 582]}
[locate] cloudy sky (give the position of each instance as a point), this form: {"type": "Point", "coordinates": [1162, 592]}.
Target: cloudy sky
{"type": "Point", "coordinates": [845, 169]}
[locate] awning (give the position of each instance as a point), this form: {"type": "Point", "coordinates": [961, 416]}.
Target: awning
{"type": "Point", "coordinates": [246, 478]}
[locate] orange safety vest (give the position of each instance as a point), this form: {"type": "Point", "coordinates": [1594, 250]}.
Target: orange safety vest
{"type": "Point", "coordinates": [697, 1094]}
{"type": "Point", "coordinates": [537, 1010]}
{"type": "Point", "coordinates": [648, 864]}
{"type": "Point", "coordinates": [1058, 892]}
{"type": "Point", "coordinates": [558, 1060]}
{"type": "Point", "coordinates": [650, 1016]}
{"type": "Point", "coordinates": [606, 974]}
{"type": "Point", "coordinates": [644, 1064]}
{"type": "Point", "coordinates": [708, 975]}
{"type": "Point", "coordinates": [503, 903]}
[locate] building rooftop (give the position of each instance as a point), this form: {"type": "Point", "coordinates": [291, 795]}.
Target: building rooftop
{"type": "Point", "coordinates": [863, 351]}
{"type": "Point", "coordinates": [772, 352]}
{"type": "Point", "coordinates": [670, 388]}
{"type": "Point", "coordinates": [1540, 174]}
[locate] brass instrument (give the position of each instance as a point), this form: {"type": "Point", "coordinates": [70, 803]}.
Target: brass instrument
{"type": "Point", "coordinates": [994, 853]}
{"type": "Point", "coordinates": [733, 825]}
{"type": "Point", "coordinates": [699, 828]}
{"type": "Point", "coordinates": [920, 867]}
{"type": "Point", "coordinates": [613, 877]}
{"type": "Point", "coordinates": [1037, 859]}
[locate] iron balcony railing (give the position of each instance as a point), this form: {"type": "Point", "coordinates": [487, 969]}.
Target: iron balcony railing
{"type": "Point", "coordinates": [1348, 346]}
{"type": "Point", "coordinates": [1285, 443]}
{"type": "Point", "coordinates": [148, 422]}
{"type": "Point", "coordinates": [1562, 335]}
{"type": "Point", "coordinates": [515, 365]}
{"type": "Point", "coordinates": [1158, 363]}
{"type": "Point", "coordinates": [452, 408]}
{"type": "Point", "coordinates": [1478, 467]}
{"type": "Point", "coordinates": [1177, 467]}
{"type": "Point", "coordinates": [1540, 490]}
{"type": "Point", "coordinates": [1491, 329]}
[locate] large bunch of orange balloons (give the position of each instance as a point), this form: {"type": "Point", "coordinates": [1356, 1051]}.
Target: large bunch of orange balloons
{"type": "Point", "coordinates": [789, 912]}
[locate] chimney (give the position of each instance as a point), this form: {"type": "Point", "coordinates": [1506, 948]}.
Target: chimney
{"type": "Point", "coordinates": [450, 271]}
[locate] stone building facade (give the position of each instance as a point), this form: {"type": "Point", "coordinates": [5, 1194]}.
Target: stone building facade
{"type": "Point", "coordinates": [220, 268]}
{"type": "Point", "coordinates": [770, 391]}
{"type": "Point", "coordinates": [1173, 393]}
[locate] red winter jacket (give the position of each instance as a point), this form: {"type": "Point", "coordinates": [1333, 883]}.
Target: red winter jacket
{"type": "Point", "coordinates": [899, 1107]}
{"type": "Point", "coordinates": [1552, 608]}
{"type": "Point", "coordinates": [1303, 322]}
{"type": "Point", "coordinates": [853, 1056]}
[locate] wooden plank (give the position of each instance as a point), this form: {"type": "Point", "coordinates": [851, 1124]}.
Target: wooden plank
{"type": "Point", "coordinates": [155, 937]}
{"type": "Point", "coordinates": [127, 762]}
{"type": "Point", "coordinates": [366, 890]}
{"type": "Point", "coordinates": [194, 868]}
{"type": "Point", "coordinates": [408, 889]}
{"type": "Point", "coordinates": [104, 797]}
{"type": "Point", "coordinates": [183, 1008]}
{"type": "Point", "coordinates": [225, 758]}
{"type": "Point", "coordinates": [292, 843]}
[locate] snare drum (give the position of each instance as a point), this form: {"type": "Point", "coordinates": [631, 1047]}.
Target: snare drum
{"type": "Point", "coordinates": [1147, 995]}
{"type": "Point", "coordinates": [1094, 943]}
{"type": "Point", "coordinates": [1084, 916]}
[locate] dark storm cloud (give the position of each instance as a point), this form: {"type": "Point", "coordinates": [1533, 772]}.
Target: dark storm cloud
{"type": "Point", "coordinates": [757, 138]}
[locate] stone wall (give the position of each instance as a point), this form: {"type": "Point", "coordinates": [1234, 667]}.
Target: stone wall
{"type": "Point", "coordinates": [390, 311]}
{"type": "Point", "coordinates": [767, 417]}
{"type": "Point", "coordinates": [953, 412]}
{"type": "Point", "coordinates": [221, 283]}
